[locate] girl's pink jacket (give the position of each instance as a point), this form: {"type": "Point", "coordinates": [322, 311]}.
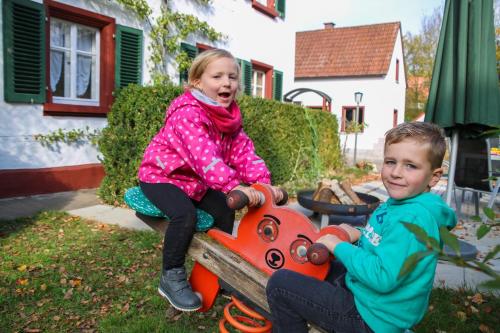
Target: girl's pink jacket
{"type": "Point", "coordinates": [190, 152]}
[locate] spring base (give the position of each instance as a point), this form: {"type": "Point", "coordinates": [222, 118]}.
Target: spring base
{"type": "Point", "coordinates": [248, 322]}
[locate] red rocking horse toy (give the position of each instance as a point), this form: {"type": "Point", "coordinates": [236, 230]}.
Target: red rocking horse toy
{"type": "Point", "coordinates": [269, 237]}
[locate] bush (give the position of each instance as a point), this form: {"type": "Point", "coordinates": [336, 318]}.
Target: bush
{"type": "Point", "coordinates": [298, 145]}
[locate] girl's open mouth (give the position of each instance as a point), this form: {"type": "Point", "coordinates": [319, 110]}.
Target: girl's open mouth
{"type": "Point", "coordinates": [225, 95]}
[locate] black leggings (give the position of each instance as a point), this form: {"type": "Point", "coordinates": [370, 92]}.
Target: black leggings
{"type": "Point", "coordinates": [181, 210]}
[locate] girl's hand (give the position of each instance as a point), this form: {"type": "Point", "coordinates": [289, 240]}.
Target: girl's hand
{"type": "Point", "coordinates": [330, 241]}
{"type": "Point", "coordinates": [354, 233]}
{"type": "Point", "coordinates": [254, 196]}
{"type": "Point", "coordinates": [277, 194]}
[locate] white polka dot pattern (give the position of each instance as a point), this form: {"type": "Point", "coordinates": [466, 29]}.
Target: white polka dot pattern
{"type": "Point", "coordinates": [191, 153]}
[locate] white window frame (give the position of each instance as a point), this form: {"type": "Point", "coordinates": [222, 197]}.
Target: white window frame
{"type": "Point", "coordinates": [256, 86]}
{"type": "Point", "coordinates": [73, 61]}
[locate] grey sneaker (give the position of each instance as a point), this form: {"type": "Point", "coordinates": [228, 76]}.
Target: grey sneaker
{"type": "Point", "coordinates": [175, 288]}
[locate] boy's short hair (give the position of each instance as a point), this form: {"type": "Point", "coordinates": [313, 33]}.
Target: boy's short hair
{"type": "Point", "coordinates": [421, 132]}
{"type": "Point", "coordinates": [203, 59]}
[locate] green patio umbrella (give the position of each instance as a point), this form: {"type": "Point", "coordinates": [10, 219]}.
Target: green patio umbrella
{"type": "Point", "coordinates": [464, 95]}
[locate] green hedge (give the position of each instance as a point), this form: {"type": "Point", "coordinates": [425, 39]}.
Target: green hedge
{"type": "Point", "coordinates": [298, 145]}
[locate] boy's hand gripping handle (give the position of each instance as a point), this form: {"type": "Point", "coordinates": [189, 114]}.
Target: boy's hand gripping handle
{"type": "Point", "coordinates": [238, 199]}
{"type": "Point", "coordinates": [318, 254]}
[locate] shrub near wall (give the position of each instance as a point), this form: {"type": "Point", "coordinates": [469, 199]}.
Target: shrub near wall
{"type": "Point", "coordinates": [298, 145]}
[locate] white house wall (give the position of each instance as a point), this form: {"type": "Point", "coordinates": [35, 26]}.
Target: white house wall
{"type": "Point", "coordinates": [251, 36]}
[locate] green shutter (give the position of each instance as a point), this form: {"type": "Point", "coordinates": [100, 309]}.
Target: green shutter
{"type": "Point", "coordinates": [246, 77]}
{"type": "Point", "coordinates": [277, 85]}
{"type": "Point", "coordinates": [280, 7]}
{"type": "Point", "coordinates": [128, 56]}
{"type": "Point", "coordinates": [191, 52]}
{"type": "Point", "coordinates": [24, 51]}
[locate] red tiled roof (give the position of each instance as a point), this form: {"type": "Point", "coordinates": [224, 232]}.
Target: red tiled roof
{"type": "Point", "coordinates": [351, 51]}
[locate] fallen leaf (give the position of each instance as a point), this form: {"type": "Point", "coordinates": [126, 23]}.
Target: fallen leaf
{"type": "Point", "coordinates": [22, 268]}
{"type": "Point", "coordinates": [68, 294]}
{"type": "Point", "coordinates": [32, 330]}
{"type": "Point", "coordinates": [43, 287]}
{"type": "Point", "coordinates": [22, 282]}
{"type": "Point", "coordinates": [75, 282]}
{"type": "Point", "coordinates": [477, 298]}
{"type": "Point", "coordinates": [462, 316]}
{"type": "Point", "coordinates": [485, 329]}
{"type": "Point", "coordinates": [56, 318]}
{"type": "Point", "coordinates": [125, 308]}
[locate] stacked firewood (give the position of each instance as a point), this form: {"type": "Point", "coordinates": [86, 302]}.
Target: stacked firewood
{"type": "Point", "coordinates": [335, 192]}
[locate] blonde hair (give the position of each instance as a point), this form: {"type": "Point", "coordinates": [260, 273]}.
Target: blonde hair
{"type": "Point", "coordinates": [425, 133]}
{"type": "Point", "coordinates": [202, 60]}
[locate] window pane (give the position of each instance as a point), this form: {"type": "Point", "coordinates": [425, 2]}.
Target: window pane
{"type": "Point", "coordinates": [59, 34]}
{"type": "Point", "coordinates": [85, 72]}
{"type": "Point", "coordinates": [86, 40]}
{"type": "Point", "coordinates": [60, 73]}
{"type": "Point", "coordinates": [349, 114]}
{"type": "Point", "coordinates": [259, 78]}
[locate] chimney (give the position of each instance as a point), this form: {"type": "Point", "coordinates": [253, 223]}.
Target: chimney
{"type": "Point", "coordinates": [329, 25]}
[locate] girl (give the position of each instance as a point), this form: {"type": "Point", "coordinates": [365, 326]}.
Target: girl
{"type": "Point", "coordinates": [198, 156]}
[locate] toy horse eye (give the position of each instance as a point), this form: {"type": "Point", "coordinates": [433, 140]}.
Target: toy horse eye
{"type": "Point", "coordinates": [268, 230]}
{"type": "Point", "coordinates": [298, 249]}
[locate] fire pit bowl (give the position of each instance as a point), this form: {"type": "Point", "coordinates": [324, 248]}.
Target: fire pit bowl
{"type": "Point", "coordinates": [305, 200]}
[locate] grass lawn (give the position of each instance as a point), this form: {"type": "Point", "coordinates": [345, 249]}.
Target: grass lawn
{"type": "Point", "coordinates": [59, 273]}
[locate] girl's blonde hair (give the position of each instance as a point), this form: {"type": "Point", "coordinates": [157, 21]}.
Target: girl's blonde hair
{"type": "Point", "coordinates": [203, 59]}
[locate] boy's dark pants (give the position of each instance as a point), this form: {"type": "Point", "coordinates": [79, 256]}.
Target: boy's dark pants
{"type": "Point", "coordinates": [181, 210]}
{"type": "Point", "coordinates": [296, 299]}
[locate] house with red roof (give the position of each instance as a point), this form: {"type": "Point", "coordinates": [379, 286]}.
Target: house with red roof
{"type": "Point", "coordinates": [339, 61]}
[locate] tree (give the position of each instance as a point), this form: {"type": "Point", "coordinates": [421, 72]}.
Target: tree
{"type": "Point", "coordinates": [420, 51]}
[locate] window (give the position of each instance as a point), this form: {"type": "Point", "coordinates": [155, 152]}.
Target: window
{"type": "Point", "coordinates": [397, 70]}
{"type": "Point", "coordinates": [74, 77]}
{"type": "Point", "coordinates": [395, 118]}
{"type": "Point", "coordinates": [262, 80]}
{"type": "Point", "coordinates": [258, 83]}
{"type": "Point", "coordinates": [69, 61]}
{"type": "Point", "coordinates": [348, 115]}
{"type": "Point", "coordinates": [272, 8]}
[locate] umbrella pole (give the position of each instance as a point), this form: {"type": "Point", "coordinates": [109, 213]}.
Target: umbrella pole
{"type": "Point", "coordinates": [452, 166]}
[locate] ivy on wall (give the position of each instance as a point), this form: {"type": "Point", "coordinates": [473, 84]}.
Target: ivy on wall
{"type": "Point", "coordinates": [167, 31]}
{"type": "Point", "coordinates": [69, 136]}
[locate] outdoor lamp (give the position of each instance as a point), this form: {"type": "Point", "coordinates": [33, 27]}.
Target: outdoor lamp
{"type": "Point", "coordinates": [358, 96]}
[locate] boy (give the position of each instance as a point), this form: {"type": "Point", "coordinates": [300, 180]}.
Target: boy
{"type": "Point", "coordinates": [363, 292]}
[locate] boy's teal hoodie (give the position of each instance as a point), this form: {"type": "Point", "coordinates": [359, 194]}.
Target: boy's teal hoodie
{"type": "Point", "coordinates": [388, 304]}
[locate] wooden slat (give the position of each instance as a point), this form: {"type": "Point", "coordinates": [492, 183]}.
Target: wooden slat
{"type": "Point", "coordinates": [237, 272]}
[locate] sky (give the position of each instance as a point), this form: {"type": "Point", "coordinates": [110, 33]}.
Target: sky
{"type": "Point", "coordinates": [311, 14]}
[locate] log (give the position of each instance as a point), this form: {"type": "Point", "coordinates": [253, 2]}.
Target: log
{"type": "Point", "coordinates": [237, 272]}
{"type": "Point", "coordinates": [341, 195]}
{"type": "Point", "coordinates": [346, 186]}
{"type": "Point", "coordinates": [324, 193]}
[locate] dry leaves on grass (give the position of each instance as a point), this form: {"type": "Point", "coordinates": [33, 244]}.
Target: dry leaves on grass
{"type": "Point", "coordinates": [485, 329]}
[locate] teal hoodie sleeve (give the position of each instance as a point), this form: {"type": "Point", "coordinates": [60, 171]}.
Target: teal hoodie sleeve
{"type": "Point", "coordinates": [379, 268]}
